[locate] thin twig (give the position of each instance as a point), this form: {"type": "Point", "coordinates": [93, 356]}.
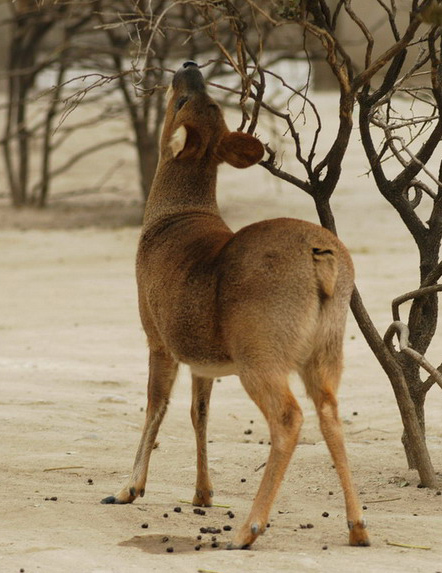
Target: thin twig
{"type": "Point", "coordinates": [63, 468]}
{"type": "Point", "coordinates": [406, 546]}
{"type": "Point", "coordinates": [383, 500]}
{"type": "Point", "coordinates": [213, 504]}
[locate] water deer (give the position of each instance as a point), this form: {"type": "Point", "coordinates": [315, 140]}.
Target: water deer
{"type": "Point", "coordinates": [260, 303]}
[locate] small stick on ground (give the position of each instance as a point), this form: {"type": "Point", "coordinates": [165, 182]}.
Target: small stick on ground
{"type": "Point", "coordinates": [63, 468]}
{"type": "Point", "coordinates": [394, 544]}
{"type": "Point", "coordinates": [383, 500]}
{"type": "Point", "coordinates": [213, 505]}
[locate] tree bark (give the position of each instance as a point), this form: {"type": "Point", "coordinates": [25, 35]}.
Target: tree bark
{"type": "Point", "coordinates": [415, 437]}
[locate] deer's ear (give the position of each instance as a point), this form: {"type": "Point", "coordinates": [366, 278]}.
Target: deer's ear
{"type": "Point", "coordinates": [185, 142]}
{"type": "Point", "coordinates": [240, 149]}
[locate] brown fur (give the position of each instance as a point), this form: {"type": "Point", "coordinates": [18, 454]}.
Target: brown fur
{"type": "Point", "coordinates": [267, 300]}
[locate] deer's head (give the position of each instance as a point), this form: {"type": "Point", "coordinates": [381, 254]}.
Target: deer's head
{"type": "Point", "coordinates": [194, 127]}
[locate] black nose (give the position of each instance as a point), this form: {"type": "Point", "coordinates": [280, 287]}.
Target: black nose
{"type": "Point", "coordinates": [189, 77]}
{"type": "Point", "coordinates": [189, 63]}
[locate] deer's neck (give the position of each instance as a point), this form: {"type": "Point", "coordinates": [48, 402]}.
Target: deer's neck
{"type": "Point", "coordinates": [181, 189]}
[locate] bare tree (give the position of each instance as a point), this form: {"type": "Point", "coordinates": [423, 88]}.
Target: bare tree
{"type": "Point", "coordinates": [152, 34]}
{"type": "Point", "coordinates": [374, 84]}
{"type": "Point", "coordinates": [128, 46]}
{"type": "Point", "coordinates": [51, 38]}
{"type": "Point", "coordinates": [29, 28]}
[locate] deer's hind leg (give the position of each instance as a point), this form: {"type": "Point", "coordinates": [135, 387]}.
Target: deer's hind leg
{"type": "Point", "coordinates": [321, 376]}
{"type": "Point", "coordinates": [272, 395]}
{"type": "Point", "coordinates": [162, 374]}
{"type": "Point", "coordinates": [201, 390]}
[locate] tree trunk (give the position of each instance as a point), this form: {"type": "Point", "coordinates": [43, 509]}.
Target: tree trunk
{"type": "Point", "coordinates": [407, 441]}
{"type": "Point", "coordinates": [417, 448]}
{"type": "Point", "coordinates": [147, 154]}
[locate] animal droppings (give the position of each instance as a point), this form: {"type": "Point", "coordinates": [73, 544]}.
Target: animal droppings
{"type": "Point", "coordinates": [212, 530]}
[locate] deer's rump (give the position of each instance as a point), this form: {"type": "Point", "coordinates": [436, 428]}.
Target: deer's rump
{"type": "Point", "coordinates": [220, 298]}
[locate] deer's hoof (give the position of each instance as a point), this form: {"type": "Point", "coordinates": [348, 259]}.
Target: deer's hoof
{"type": "Point", "coordinates": [203, 498]}
{"type": "Point", "coordinates": [246, 536]}
{"type": "Point", "coordinates": [358, 534]}
{"type": "Point", "coordinates": [126, 495]}
{"type": "Point", "coordinates": [111, 499]}
{"type": "Point", "coordinates": [235, 546]}
{"type": "Point", "coordinates": [117, 500]}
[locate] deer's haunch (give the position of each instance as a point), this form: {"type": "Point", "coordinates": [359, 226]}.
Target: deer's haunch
{"type": "Point", "coordinates": [260, 303]}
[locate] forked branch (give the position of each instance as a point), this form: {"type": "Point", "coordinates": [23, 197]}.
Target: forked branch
{"type": "Point", "coordinates": [402, 331]}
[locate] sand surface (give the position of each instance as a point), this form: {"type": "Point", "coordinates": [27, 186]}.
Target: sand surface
{"type": "Point", "coordinates": [73, 370]}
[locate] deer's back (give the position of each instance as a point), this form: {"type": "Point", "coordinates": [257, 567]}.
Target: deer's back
{"type": "Point", "coordinates": [214, 297]}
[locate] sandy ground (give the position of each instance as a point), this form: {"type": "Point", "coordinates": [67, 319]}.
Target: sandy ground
{"type": "Point", "coordinates": [73, 367]}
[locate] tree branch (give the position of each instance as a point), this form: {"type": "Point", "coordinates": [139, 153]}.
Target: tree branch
{"type": "Point", "coordinates": [402, 332]}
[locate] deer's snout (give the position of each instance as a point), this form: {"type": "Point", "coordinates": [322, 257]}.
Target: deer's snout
{"type": "Point", "coordinates": [189, 78]}
{"type": "Point", "coordinates": [189, 63]}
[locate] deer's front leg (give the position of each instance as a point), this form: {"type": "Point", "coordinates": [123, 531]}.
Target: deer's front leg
{"type": "Point", "coordinates": [201, 390]}
{"type": "Point", "coordinates": [162, 374]}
